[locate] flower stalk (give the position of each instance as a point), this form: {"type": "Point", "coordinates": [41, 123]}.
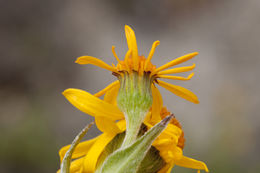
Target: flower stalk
{"type": "Point", "coordinates": [129, 159]}
{"type": "Point", "coordinates": [134, 100]}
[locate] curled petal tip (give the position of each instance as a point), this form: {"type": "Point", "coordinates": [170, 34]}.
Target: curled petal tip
{"type": "Point", "coordinates": [68, 91]}
{"type": "Point", "coordinates": [191, 75]}
{"type": "Point", "coordinates": [65, 92]}
{"type": "Point", "coordinates": [77, 60]}
{"type": "Point", "coordinates": [127, 26]}
{"type": "Point", "coordinates": [157, 42]}
{"type": "Point", "coordinates": [196, 102]}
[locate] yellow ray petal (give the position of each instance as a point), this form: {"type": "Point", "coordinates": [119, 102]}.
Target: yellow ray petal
{"type": "Point", "coordinates": [94, 61]}
{"type": "Point", "coordinates": [156, 106]}
{"type": "Point", "coordinates": [172, 130]}
{"type": "Point", "coordinates": [111, 95]}
{"type": "Point", "coordinates": [109, 87]}
{"type": "Point", "coordinates": [176, 61]}
{"type": "Point", "coordinates": [177, 70]}
{"type": "Point", "coordinates": [176, 77]}
{"type": "Point", "coordinates": [81, 149]}
{"type": "Point", "coordinates": [155, 44]}
{"type": "Point", "coordinates": [75, 165]}
{"type": "Point", "coordinates": [115, 55]}
{"type": "Point", "coordinates": [132, 45]}
{"type": "Point", "coordinates": [92, 105]}
{"type": "Point", "coordinates": [106, 125]}
{"type": "Point", "coordinates": [191, 163]}
{"type": "Point", "coordinates": [90, 160]}
{"type": "Point", "coordinates": [121, 125]}
{"type": "Point", "coordinates": [127, 56]}
{"type": "Point", "coordinates": [179, 91]}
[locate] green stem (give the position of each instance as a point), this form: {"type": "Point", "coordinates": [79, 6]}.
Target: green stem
{"type": "Point", "coordinates": [133, 126]}
{"type": "Point", "coordinates": [134, 100]}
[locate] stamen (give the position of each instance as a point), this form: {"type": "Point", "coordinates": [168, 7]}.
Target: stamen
{"type": "Point", "coordinates": [177, 70]}
{"type": "Point", "coordinates": [176, 77]}
{"type": "Point", "coordinates": [176, 61]}
{"type": "Point", "coordinates": [102, 92]}
{"type": "Point", "coordinates": [115, 55]}
{"type": "Point", "coordinates": [155, 44]}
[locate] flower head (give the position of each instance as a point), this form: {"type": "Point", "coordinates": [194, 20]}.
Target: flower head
{"type": "Point", "coordinates": [129, 102]}
{"type": "Point", "coordinates": [141, 65]}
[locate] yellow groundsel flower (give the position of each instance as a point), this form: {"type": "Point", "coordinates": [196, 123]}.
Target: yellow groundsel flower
{"type": "Point", "coordinates": [170, 144]}
{"type": "Point", "coordinates": [110, 120]}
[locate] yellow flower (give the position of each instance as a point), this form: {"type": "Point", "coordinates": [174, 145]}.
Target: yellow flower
{"type": "Point", "coordinates": [110, 120]}
{"type": "Point", "coordinates": [140, 64]}
{"type": "Point", "coordinates": [171, 143]}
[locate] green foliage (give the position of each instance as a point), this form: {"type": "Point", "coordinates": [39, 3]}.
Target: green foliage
{"type": "Point", "coordinates": [128, 159]}
{"type": "Point", "coordinates": [65, 164]}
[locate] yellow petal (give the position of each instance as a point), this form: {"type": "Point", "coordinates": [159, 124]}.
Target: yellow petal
{"type": "Point", "coordinates": [180, 91]}
{"type": "Point", "coordinates": [127, 56]}
{"type": "Point", "coordinates": [92, 105]}
{"type": "Point", "coordinates": [155, 44]}
{"type": "Point", "coordinates": [91, 158]}
{"type": "Point", "coordinates": [114, 53]}
{"type": "Point", "coordinates": [132, 45]}
{"type": "Point", "coordinates": [176, 61]}
{"type": "Point", "coordinates": [75, 165]}
{"type": "Point", "coordinates": [157, 105]}
{"type": "Point", "coordinates": [81, 149]}
{"type": "Point", "coordinates": [106, 125]}
{"type": "Point", "coordinates": [111, 95]}
{"type": "Point", "coordinates": [176, 77]}
{"type": "Point", "coordinates": [177, 70]}
{"type": "Point", "coordinates": [109, 87]}
{"type": "Point", "coordinates": [172, 130]}
{"type": "Point", "coordinates": [121, 125]}
{"type": "Point", "coordinates": [191, 163]}
{"type": "Point", "coordinates": [94, 61]}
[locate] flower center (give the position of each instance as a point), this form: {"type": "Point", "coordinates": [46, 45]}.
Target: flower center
{"type": "Point", "coordinates": [144, 65]}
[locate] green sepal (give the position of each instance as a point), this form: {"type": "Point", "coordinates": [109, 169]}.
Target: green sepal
{"type": "Point", "coordinates": [129, 159]}
{"type": "Point", "coordinates": [65, 164]}
{"type": "Point", "coordinates": [150, 164]}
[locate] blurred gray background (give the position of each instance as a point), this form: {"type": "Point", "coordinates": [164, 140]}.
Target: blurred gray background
{"type": "Point", "coordinates": [40, 41]}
